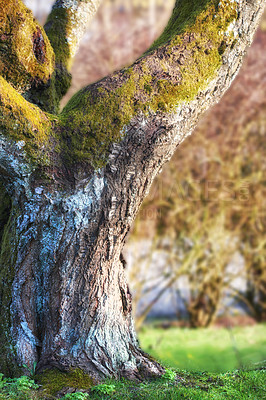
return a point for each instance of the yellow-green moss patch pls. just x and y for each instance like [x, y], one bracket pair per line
[53, 381]
[24, 122]
[184, 16]
[26, 55]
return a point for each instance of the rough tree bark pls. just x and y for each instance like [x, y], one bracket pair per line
[76, 179]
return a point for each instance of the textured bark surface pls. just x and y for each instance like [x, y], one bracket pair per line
[69, 301]
[77, 181]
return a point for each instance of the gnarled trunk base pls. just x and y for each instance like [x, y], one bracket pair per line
[64, 291]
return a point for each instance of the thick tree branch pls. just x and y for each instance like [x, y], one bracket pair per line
[27, 59]
[203, 45]
[131, 122]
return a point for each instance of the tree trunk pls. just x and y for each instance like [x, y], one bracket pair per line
[64, 293]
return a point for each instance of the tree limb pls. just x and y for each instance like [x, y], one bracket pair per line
[136, 117]
[131, 122]
[198, 55]
[27, 59]
[65, 27]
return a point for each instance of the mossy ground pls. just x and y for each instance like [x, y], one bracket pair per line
[177, 383]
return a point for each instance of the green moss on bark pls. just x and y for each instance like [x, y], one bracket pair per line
[26, 56]
[48, 96]
[25, 123]
[188, 53]
[184, 16]
[56, 28]
[93, 121]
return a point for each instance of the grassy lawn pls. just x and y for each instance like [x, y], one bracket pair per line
[212, 350]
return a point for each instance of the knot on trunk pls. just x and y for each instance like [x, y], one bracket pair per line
[38, 46]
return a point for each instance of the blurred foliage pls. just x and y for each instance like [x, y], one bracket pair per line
[215, 208]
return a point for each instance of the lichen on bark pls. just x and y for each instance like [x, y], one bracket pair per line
[66, 26]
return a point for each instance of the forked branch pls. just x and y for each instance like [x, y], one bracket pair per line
[132, 121]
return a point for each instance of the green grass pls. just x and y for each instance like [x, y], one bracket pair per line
[237, 385]
[212, 350]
